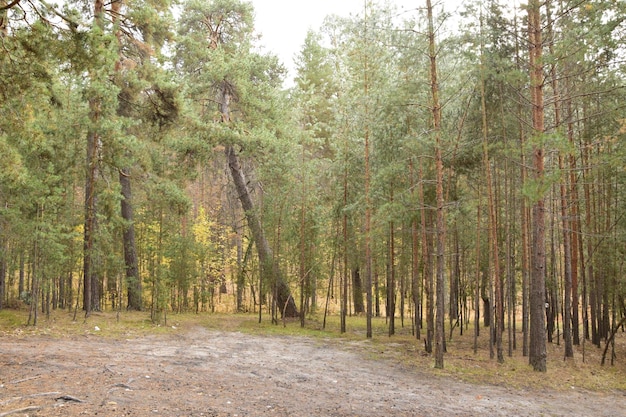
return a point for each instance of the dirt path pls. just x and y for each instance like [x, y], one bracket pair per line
[207, 373]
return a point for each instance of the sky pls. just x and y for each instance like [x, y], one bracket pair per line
[283, 24]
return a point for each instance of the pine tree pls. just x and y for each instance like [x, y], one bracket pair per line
[217, 38]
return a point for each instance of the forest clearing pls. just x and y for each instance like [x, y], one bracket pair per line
[229, 365]
[436, 197]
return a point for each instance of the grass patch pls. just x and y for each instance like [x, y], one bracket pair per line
[61, 324]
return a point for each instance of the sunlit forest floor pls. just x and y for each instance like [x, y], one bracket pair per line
[461, 363]
[122, 364]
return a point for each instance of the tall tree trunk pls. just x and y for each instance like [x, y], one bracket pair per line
[241, 278]
[4, 254]
[588, 275]
[478, 268]
[510, 260]
[376, 294]
[34, 268]
[391, 289]
[133, 280]
[357, 291]
[429, 285]
[440, 244]
[575, 222]
[303, 274]
[91, 293]
[563, 190]
[537, 351]
[524, 209]
[568, 264]
[415, 263]
[551, 295]
[3, 272]
[368, 200]
[269, 269]
[455, 276]
[21, 284]
[493, 226]
[344, 234]
[89, 276]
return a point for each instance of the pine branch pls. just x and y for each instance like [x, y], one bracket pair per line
[8, 6]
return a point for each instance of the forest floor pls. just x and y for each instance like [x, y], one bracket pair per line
[190, 368]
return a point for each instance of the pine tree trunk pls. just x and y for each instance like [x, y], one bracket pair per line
[344, 234]
[241, 281]
[567, 250]
[440, 229]
[133, 280]
[510, 260]
[551, 294]
[524, 209]
[4, 249]
[588, 275]
[368, 199]
[91, 293]
[493, 226]
[415, 292]
[357, 292]
[34, 288]
[537, 351]
[21, 284]
[3, 272]
[303, 274]
[575, 224]
[429, 286]
[391, 289]
[269, 269]
[478, 280]
[455, 276]
[89, 229]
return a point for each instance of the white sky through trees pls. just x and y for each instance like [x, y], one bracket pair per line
[283, 24]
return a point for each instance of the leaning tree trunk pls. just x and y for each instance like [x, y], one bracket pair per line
[268, 267]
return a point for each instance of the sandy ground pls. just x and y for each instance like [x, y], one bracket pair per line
[210, 373]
